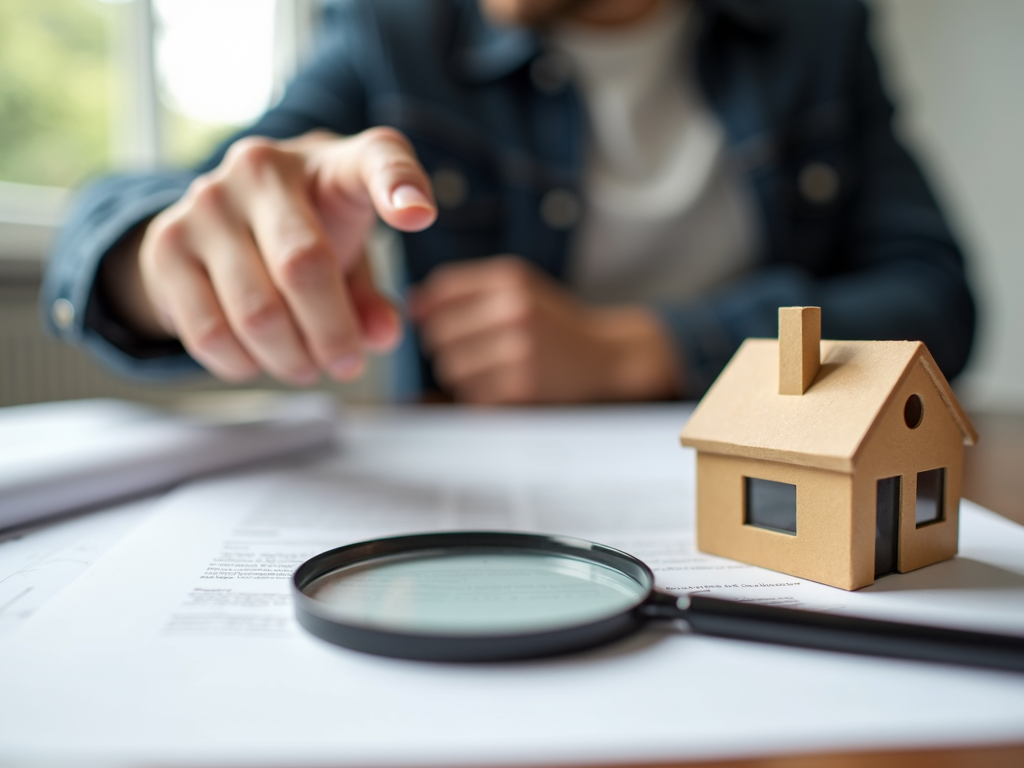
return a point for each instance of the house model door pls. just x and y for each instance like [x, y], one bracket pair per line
[928, 508]
[887, 526]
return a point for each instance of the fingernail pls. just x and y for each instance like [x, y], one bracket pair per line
[407, 196]
[346, 367]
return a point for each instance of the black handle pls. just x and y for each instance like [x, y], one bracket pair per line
[825, 631]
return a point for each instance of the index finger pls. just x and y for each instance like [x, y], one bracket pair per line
[380, 167]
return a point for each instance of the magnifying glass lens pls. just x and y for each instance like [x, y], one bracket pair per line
[485, 592]
[495, 596]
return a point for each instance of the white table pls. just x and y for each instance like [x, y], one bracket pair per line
[130, 666]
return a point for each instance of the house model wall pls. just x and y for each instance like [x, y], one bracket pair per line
[835, 461]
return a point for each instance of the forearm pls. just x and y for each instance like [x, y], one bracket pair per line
[99, 220]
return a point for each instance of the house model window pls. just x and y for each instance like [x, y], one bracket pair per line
[771, 505]
[931, 486]
[836, 461]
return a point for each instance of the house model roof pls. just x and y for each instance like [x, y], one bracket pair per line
[743, 413]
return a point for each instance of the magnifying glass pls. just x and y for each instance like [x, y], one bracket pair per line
[493, 596]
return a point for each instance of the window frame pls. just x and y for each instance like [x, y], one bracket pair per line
[31, 214]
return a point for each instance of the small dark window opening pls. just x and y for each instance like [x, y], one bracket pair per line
[931, 490]
[770, 505]
[913, 411]
[887, 526]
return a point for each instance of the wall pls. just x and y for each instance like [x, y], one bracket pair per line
[957, 70]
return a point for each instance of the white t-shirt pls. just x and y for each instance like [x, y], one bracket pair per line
[666, 215]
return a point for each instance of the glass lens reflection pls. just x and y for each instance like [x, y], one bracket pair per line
[476, 593]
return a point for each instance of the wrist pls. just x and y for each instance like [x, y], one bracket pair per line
[119, 281]
[642, 363]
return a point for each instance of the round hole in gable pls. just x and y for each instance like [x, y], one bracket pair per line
[913, 411]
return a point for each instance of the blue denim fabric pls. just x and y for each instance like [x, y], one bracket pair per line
[794, 82]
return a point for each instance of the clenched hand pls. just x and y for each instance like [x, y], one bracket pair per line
[500, 331]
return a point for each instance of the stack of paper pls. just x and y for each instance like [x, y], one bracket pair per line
[57, 457]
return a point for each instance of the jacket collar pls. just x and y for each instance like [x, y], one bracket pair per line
[484, 52]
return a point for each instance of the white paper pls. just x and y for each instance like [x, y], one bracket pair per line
[37, 563]
[179, 646]
[63, 456]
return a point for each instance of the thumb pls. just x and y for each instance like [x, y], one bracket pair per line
[382, 326]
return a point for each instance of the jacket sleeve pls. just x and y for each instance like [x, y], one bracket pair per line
[327, 94]
[892, 269]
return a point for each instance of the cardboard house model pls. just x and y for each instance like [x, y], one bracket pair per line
[835, 461]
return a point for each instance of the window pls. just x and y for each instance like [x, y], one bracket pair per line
[913, 411]
[931, 488]
[56, 91]
[214, 69]
[770, 505]
[92, 86]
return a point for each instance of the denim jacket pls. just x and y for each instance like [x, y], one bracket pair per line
[848, 222]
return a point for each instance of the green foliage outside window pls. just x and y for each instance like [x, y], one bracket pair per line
[55, 90]
[188, 141]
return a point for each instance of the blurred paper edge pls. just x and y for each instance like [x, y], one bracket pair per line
[65, 456]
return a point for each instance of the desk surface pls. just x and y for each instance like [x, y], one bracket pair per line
[987, 755]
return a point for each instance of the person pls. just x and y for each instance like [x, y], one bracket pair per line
[598, 200]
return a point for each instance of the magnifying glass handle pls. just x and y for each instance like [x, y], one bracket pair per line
[826, 631]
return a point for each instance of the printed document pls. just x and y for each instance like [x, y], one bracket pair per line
[179, 646]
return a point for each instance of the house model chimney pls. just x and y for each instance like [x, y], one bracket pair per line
[799, 348]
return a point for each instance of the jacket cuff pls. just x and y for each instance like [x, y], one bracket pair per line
[70, 307]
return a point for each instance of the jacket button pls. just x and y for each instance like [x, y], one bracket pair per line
[63, 313]
[549, 73]
[560, 209]
[818, 183]
[450, 187]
